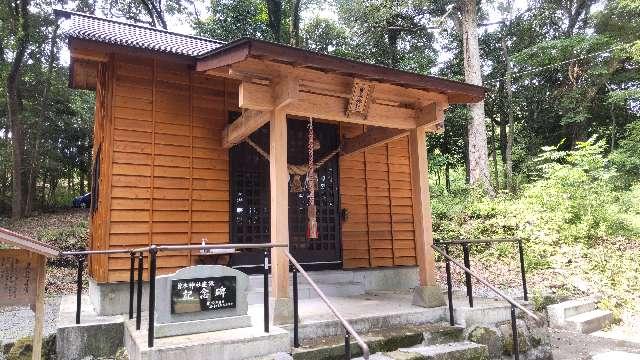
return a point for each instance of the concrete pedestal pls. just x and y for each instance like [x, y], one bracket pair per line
[282, 311]
[232, 344]
[428, 296]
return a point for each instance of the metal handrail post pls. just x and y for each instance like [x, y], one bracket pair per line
[79, 287]
[323, 297]
[132, 285]
[347, 345]
[467, 277]
[265, 285]
[139, 291]
[296, 317]
[514, 334]
[486, 283]
[522, 270]
[449, 288]
[153, 252]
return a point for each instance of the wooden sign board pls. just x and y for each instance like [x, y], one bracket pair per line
[19, 271]
[360, 98]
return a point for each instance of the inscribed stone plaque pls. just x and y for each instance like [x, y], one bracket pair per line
[18, 277]
[201, 298]
[203, 294]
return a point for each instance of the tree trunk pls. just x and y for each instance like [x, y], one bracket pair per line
[44, 107]
[274, 10]
[13, 109]
[494, 153]
[478, 152]
[509, 160]
[613, 127]
[294, 29]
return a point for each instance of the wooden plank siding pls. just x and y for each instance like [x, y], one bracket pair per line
[170, 177]
[165, 175]
[375, 188]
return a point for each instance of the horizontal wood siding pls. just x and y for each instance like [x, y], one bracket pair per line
[355, 231]
[170, 182]
[376, 191]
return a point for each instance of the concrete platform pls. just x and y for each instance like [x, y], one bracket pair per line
[366, 312]
[95, 335]
[232, 344]
[483, 312]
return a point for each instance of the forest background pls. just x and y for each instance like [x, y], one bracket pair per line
[559, 131]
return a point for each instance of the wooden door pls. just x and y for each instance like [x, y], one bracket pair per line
[249, 181]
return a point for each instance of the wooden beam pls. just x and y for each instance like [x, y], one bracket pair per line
[422, 206]
[260, 97]
[430, 114]
[374, 136]
[336, 85]
[278, 182]
[285, 91]
[245, 125]
[255, 97]
[89, 55]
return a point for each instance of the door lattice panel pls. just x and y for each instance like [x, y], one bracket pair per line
[250, 196]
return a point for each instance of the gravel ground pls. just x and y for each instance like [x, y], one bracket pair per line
[17, 322]
[572, 346]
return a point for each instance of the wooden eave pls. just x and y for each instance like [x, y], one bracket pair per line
[243, 49]
[23, 242]
[86, 54]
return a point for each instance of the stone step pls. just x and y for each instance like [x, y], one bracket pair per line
[463, 350]
[558, 313]
[325, 276]
[589, 322]
[305, 291]
[378, 341]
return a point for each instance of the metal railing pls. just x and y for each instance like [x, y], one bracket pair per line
[514, 305]
[136, 286]
[466, 249]
[349, 331]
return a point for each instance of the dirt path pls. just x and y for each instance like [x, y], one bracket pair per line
[572, 346]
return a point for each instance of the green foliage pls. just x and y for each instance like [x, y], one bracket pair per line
[574, 215]
[626, 158]
[229, 20]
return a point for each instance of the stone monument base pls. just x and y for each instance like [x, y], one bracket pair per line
[202, 326]
[232, 344]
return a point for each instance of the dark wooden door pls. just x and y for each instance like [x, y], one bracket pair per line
[250, 198]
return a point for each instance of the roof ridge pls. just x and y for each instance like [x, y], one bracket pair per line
[66, 13]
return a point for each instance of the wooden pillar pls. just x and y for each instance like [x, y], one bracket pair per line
[279, 182]
[422, 205]
[38, 328]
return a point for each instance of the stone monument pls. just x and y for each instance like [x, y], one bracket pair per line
[201, 299]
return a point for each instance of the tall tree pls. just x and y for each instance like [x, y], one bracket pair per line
[20, 12]
[478, 152]
[508, 166]
[294, 29]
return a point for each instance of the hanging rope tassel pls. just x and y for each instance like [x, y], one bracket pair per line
[312, 180]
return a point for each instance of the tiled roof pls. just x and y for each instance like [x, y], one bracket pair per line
[88, 27]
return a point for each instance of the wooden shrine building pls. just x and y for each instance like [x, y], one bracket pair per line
[184, 126]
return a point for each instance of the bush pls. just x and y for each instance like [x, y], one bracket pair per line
[579, 222]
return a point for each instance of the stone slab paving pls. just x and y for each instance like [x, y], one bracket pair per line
[574, 346]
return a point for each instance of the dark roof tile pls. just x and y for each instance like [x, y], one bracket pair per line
[88, 27]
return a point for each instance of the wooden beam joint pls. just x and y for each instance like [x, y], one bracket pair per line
[245, 125]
